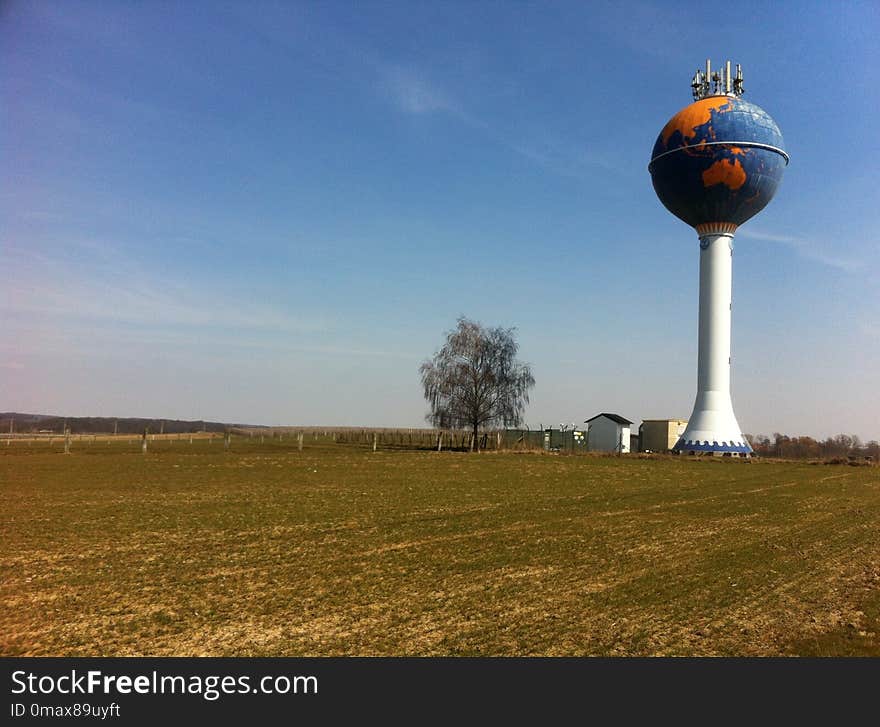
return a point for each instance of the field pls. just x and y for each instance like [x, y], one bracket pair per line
[336, 549]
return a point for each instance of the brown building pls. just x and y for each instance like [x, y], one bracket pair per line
[660, 435]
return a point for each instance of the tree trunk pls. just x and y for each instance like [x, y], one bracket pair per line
[475, 443]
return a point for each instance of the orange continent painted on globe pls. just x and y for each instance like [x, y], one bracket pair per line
[728, 172]
[691, 117]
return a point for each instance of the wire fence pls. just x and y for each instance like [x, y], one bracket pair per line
[299, 437]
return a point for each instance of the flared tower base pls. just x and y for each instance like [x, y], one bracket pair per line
[713, 429]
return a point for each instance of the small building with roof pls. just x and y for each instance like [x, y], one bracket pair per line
[660, 435]
[608, 433]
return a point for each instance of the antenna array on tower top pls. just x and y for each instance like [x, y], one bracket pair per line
[720, 83]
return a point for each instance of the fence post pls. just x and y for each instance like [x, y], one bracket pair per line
[299, 441]
[440, 442]
[375, 440]
[67, 441]
[144, 442]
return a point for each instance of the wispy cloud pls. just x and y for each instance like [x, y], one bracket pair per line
[809, 249]
[413, 93]
[98, 339]
[412, 89]
[113, 288]
[566, 158]
[97, 300]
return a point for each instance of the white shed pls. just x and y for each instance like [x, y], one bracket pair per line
[608, 433]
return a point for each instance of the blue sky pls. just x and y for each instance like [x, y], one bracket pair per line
[272, 212]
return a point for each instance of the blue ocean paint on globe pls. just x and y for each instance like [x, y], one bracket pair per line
[719, 160]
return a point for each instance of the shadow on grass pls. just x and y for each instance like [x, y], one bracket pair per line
[860, 638]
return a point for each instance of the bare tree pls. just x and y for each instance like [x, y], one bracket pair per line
[474, 380]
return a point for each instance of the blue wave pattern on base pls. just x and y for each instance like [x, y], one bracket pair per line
[706, 446]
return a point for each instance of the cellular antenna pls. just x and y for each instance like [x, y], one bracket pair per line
[719, 83]
[738, 89]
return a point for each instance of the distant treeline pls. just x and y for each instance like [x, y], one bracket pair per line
[840, 446]
[31, 423]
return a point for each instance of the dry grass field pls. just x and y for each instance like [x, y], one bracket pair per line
[335, 550]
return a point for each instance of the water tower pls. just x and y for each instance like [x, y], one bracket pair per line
[715, 165]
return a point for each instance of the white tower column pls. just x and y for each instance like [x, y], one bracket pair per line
[713, 426]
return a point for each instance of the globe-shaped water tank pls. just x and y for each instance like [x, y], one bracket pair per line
[719, 160]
